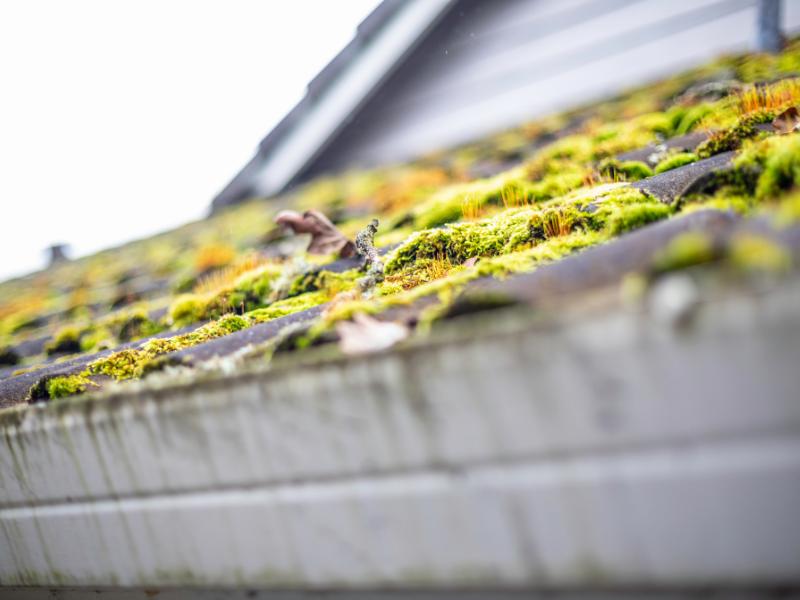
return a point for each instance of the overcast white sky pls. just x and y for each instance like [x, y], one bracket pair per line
[123, 118]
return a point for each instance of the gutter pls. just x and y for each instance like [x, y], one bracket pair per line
[611, 452]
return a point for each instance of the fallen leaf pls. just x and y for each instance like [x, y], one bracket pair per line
[787, 122]
[325, 236]
[365, 334]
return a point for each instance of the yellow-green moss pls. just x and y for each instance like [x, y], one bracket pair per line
[289, 306]
[69, 385]
[675, 160]
[129, 363]
[732, 137]
[685, 250]
[777, 162]
[750, 252]
[628, 170]
[66, 341]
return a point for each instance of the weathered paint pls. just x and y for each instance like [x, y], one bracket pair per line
[609, 451]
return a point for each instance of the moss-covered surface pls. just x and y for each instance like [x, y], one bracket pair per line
[566, 190]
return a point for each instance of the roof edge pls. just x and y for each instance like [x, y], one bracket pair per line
[383, 40]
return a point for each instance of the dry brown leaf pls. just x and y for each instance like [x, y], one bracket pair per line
[365, 334]
[325, 236]
[787, 122]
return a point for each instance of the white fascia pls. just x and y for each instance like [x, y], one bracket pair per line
[345, 95]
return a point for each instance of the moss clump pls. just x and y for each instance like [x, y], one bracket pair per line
[676, 160]
[613, 207]
[289, 306]
[66, 341]
[129, 363]
[776, 161]
[461, 241]
[187, 309]
[628, 170]
[754, 253]
[456, 201]
[732, 137]
[250, 291]
[628, 218]
[685, 250]
[326, 281]
[788, 210]
[68, 385]
[8, 357]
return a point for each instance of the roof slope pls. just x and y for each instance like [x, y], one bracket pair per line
[696, 172]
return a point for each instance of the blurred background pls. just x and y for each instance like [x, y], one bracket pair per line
[126, 119]
[122, 119]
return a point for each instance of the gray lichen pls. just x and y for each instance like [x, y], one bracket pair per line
[365, 246]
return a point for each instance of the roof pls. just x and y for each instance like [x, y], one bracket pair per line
[416, 80]
[693, 174]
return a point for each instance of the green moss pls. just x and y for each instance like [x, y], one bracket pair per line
[452, 202]
[66, 341]
[685, 250]
[187, 309]
[629, 170]
[750, 252]
[130, 363]
[787, 211]
[461, 241]
[628, 218]
[69, 385]
[779, 161]
[675, 160]
[8, 357]
[732, 137]
[615, 206]
[95, 338]
[688, 119]
[325, 281]
[724, 199]
[289, 306]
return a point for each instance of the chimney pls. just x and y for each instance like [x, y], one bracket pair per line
[57, 253]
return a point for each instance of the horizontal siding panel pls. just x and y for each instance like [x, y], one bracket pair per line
[438, 100]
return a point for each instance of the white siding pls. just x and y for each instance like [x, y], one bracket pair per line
[492, 65]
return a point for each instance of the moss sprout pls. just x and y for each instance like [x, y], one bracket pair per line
[629, 170]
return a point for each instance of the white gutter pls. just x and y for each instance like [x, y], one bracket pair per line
[610, 452]
[373, 64]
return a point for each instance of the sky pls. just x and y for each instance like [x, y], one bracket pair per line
[122, 119]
